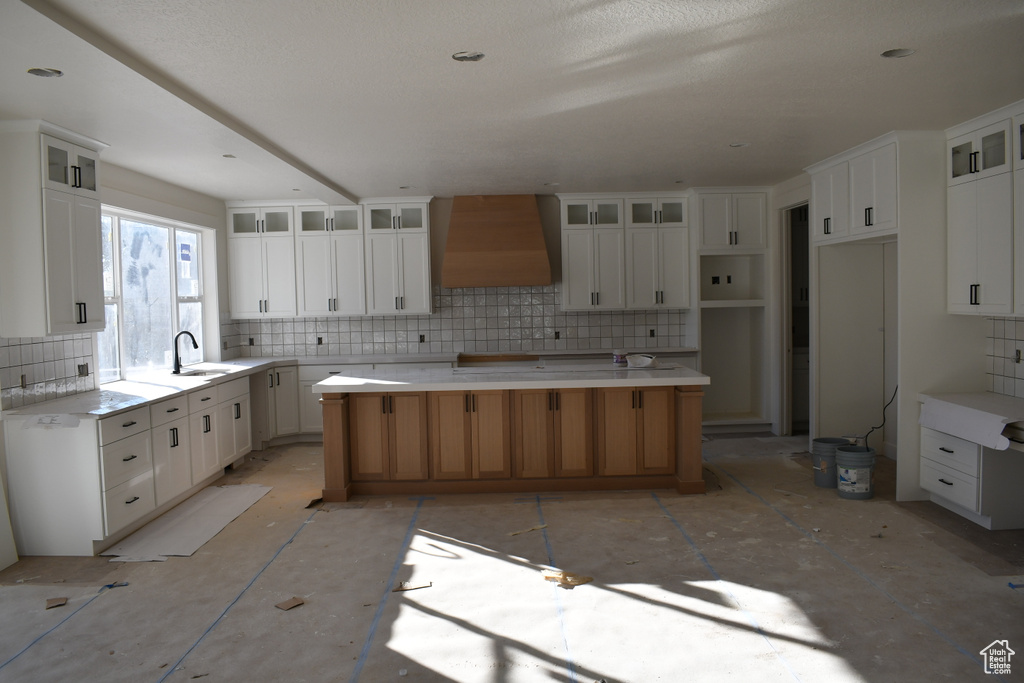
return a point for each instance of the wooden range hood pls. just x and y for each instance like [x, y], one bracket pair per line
[495, 241]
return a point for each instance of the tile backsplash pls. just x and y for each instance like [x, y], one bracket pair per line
[1005, 338]
[480, 320]
[49, 366]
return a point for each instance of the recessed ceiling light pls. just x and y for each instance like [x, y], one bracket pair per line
[739, 144]
[550, 184]
[45, 72]
[898, 53]
[680, 182]
[229, 156]
[406, 187]
[468, 56]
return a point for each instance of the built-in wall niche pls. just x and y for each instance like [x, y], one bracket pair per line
[735, 278]
[732, 354]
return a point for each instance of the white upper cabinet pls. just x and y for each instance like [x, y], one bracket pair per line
[657, 266]
[397, 274]
[731, 221]
[259, 221]
[593, 269]
[262, 277]
[667, 212]
[980, 246]
[70, 168]
[51, 269]
[979, 153]
[398, 216]
[830, 202]
[873, 190]
[591, 213]
[329, 261]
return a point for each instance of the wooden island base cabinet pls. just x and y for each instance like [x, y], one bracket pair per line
[512, 440]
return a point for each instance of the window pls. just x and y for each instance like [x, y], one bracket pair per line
[152, 290]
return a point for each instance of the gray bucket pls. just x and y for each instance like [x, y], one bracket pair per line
[855, 466]
[823, 459]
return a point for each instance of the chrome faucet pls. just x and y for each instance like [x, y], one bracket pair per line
[177, 358]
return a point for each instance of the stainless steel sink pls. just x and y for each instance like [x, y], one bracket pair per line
[201, 373]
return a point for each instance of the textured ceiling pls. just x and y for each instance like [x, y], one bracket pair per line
[360, 98]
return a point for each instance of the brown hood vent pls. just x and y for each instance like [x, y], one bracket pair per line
[495, 241]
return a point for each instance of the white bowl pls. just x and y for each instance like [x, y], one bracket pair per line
[640, 360]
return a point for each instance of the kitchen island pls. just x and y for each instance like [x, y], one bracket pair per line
[511, 429]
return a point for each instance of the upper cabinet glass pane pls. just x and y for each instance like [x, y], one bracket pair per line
[577, 214]
[608, 214]
[960, 159]
[380, 218]
[410, 217]
[312, 220]
[57, 164]
[87, 173]
[671, 212]
[346, 219]
[642, 212]
[993, 150]
[276, 221]
[244, 222]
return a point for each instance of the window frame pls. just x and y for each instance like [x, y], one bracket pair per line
[116, 215]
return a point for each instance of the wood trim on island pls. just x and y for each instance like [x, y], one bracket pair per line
[339, 485]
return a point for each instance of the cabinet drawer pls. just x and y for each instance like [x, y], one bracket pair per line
[953, 452]
[125, 459]
[232, 389]
[118, 427]
[202, 400]
[169, 410]
[319, 373]
[126, 503]
[950, 484]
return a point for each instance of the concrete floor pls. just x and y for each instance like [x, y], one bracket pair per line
[766, 577]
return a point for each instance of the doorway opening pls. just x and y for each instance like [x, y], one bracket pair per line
[797, 343]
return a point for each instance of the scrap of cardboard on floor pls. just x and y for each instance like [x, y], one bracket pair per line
[532, 528]
[566, 579]
[56, 602]
[289, 604]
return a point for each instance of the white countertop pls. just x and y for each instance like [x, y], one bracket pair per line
[508, 377]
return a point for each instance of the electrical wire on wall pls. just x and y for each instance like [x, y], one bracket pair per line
[865, 437]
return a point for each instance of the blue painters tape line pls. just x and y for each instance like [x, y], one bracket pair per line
[1015, 587]
[365, 652]
[569, 663]
[238, 597]
[703, 558]
[959, 648]
[62, 621]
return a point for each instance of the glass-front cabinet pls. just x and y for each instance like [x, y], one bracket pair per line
[980, 153]
[656, 213]
[321, 219]
[380, 217]
[70, 168]
[255, 221]
[591, 213]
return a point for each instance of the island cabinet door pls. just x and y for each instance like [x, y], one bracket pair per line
[407, 433]
[368, 427]
[534, 411]
[450, 438]
[574, 432]
[616, 431]
[491, 434]
[656, 433]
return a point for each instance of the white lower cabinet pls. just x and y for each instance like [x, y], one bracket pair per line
[78, 483]
[978, 483]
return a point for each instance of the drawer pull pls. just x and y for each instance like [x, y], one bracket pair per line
[205, 398]
[172, 410]
[945, 450]
[947, 483]
[129, 424]
[129, 458]
[131, 500]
